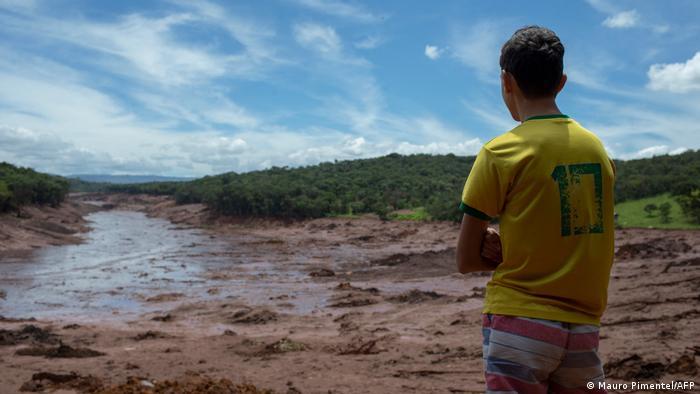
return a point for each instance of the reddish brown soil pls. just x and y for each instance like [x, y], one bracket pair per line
[398, 318]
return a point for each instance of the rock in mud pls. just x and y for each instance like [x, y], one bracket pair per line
[352, 300]
[252, 316]
[163, 318]
[346, 286]
[634, 367]
[655, 248]
[193, 383]
[322, 273]
[43, 381]
[165, 297]
[285, 345]
[415, 296]
[28, 334]
[150, 335]
[61, 351]
[360, 345]
[685, 365]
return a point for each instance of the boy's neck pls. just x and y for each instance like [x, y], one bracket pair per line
[529, 108]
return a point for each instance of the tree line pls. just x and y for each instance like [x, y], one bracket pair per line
[381, 185]
[23, 186]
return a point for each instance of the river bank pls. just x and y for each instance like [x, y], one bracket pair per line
[329, 305]
[43, 226]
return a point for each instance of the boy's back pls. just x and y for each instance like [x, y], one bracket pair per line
[550, 182]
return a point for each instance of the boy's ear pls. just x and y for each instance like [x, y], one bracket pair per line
[562, 82]
[507, 81]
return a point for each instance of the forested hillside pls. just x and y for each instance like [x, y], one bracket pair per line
[21, 186]
[388, 183]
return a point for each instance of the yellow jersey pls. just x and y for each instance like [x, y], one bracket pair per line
[550, 183]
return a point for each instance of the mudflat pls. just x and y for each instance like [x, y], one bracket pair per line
[339, 305]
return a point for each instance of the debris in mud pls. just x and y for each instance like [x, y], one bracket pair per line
[43, 381]
[685, 365]
[322, 273]
[3, 294]
[150, 335]
[360, 346]
[415, 296]
[15, 320]
[192, 383]
[693, 262]
[252, 316]
[61, 351]
[654, 248]
[634, 368]
[347, 286]
[351, 301]
[27, 334]
[71, 326]
[163, 318]
[285, 345]
[394, 259]
[477, 292]
[165, 297]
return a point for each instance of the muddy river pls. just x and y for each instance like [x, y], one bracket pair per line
[131, 264]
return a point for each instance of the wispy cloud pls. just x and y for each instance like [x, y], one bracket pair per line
[317, 37]
[369, 42]
[622, 20]
[343, 9]
[478, 47]
[676, 77]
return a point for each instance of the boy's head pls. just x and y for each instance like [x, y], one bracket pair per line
[533, 59]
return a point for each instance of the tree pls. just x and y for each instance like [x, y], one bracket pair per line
[665, 211]
[650, 209]
[691, 205]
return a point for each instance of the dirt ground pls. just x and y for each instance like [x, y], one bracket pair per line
[396, 318]
[43, 226]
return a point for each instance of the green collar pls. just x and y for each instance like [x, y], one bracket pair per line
[547, 117]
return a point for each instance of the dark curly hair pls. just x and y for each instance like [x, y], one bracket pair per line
[534, 55]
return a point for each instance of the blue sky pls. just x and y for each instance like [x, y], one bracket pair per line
[200, 87]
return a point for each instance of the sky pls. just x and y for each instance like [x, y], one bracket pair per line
[190, 88]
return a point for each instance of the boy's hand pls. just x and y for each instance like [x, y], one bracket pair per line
[491, 246]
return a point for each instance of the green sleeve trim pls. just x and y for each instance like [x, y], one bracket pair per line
[474, 212]
[553, 116]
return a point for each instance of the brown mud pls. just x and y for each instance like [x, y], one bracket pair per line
[43, 226]
[393, 318]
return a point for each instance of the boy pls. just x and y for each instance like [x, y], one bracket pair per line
[550, 183]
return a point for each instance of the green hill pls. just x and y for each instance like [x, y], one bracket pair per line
[22, 186]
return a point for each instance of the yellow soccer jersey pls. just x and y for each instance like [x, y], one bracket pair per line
[550, 183]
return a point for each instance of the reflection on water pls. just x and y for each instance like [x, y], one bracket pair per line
[125, 258]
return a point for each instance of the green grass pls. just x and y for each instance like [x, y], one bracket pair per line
[631, 214]
[418, 214]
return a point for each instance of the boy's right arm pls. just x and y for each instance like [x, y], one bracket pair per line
[477, 246]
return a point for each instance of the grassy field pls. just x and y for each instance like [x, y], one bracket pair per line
[631, 214]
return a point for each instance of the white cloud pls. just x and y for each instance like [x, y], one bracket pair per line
[478, 48]
[622, 20]
[676, 77]
[320, 38]
[342, 9]
[432, 52]
[655, 150]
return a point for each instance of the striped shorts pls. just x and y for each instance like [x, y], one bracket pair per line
[524, 355]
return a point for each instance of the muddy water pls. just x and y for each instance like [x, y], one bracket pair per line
[127, 259]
